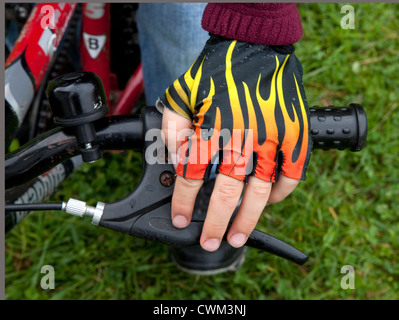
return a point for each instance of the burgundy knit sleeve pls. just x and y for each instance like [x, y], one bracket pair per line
[263, 23]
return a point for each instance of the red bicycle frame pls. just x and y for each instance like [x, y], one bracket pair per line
[95, 54]
[95, 41]
[32, 55]
[30, 59]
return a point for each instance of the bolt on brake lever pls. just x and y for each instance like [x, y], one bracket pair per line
[146, 212]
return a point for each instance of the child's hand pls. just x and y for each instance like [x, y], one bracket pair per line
[249, 112]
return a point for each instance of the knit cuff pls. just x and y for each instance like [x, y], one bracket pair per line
[269, 24]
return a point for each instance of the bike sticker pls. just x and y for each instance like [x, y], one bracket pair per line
[94, 44]
[37, 41]
[95, 10]
[19, 88]
[47, 42]
[41, 189]
[44, 186]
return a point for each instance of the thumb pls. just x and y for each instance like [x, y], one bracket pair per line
[175, 129]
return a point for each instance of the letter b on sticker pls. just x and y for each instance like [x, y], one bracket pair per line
[348, 280]
[47, 281]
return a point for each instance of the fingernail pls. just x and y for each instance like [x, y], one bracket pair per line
[238, 240]
[211, 244]
[180, 222]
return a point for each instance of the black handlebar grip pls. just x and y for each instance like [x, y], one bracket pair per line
[338, 127]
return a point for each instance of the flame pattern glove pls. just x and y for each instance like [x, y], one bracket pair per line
[248, 109]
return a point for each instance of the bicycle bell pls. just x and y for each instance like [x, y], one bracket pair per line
[78, 99]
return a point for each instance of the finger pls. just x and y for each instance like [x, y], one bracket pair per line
[183, 200]
[175, 128]
[194, 157]
[253, 202]
[224, 199]
[234, 164]
[265, 167]
[282, 188]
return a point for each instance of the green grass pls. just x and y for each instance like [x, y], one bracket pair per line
[345, 213]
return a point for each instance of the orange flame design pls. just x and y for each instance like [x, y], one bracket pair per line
[294, 144]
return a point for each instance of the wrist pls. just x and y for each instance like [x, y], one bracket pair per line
[263, 23]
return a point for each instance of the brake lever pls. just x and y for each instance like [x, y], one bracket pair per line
[146, 212]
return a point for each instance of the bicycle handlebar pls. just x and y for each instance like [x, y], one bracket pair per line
[146, 211]
[338, 127]
[331, 128]
[57, 145]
